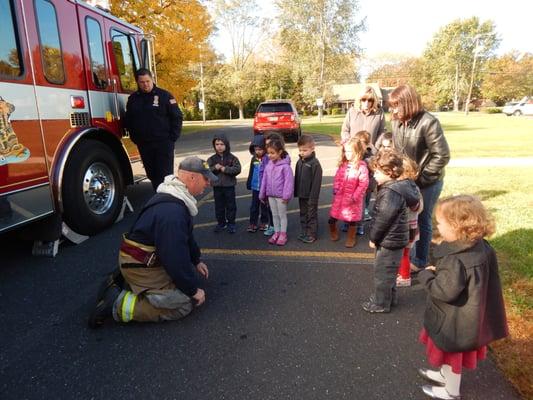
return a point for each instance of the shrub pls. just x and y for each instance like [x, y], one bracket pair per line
[336, 111]
[492, 110]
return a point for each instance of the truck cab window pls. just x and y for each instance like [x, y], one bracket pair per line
[10, 59]
[96, 53]
[51, 54]
[124, 60]
[136, 59]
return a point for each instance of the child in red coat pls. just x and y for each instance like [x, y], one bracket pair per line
[349, 188]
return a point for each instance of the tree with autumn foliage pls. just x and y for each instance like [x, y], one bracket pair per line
[181, 29]
[508, 77]
[320, 40]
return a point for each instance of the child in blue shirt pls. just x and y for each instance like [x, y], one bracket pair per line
[258, 210]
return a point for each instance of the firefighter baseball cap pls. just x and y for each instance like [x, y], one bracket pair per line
[196, 164]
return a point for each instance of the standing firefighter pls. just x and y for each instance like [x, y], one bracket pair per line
[159, 260]
[154, 122]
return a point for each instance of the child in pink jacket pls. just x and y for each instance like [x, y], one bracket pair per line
[349, 188]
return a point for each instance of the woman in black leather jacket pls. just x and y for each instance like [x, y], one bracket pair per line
[419, 135]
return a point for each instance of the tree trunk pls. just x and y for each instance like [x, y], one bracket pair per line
[456, 93]
[241, 111]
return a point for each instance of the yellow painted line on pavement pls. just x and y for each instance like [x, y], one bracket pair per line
[288, 253]
[248, 218]
[210, 199]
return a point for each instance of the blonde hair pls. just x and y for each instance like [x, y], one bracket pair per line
[467, 216]
[410, 169]
[369, 93]
[357, 148]
[363, 136]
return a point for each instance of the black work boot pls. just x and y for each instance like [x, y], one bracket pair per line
[371, 307]
[104, 305]
[116, 278]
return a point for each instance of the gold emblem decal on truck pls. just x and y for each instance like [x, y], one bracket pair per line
[11, 151]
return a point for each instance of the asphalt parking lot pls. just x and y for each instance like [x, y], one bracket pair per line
[279, 322]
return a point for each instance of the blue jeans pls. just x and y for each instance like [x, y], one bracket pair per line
[430, 195]
[258, 209]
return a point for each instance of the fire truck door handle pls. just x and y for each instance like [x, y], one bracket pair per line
[115, 98]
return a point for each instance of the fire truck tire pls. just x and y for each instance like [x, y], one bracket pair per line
[93, 188]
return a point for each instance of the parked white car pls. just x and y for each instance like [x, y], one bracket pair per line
[516, 108]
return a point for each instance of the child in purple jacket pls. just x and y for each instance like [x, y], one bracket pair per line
[277, 184]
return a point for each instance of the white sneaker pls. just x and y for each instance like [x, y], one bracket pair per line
[403, 282]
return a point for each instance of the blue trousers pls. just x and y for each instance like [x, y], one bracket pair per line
[258, 209]
[420, 253]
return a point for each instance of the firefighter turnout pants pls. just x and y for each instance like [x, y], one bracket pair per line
[153, 296]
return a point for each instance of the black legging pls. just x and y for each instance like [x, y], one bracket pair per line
[332, 221]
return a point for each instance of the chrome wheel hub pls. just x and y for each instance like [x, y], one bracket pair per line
[98, 188]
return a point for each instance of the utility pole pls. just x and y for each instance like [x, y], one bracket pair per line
[202, 85]
[477, 49]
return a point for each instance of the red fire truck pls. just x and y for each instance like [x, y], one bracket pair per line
[66, 70]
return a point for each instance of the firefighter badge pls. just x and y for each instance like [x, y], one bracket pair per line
[11, 151]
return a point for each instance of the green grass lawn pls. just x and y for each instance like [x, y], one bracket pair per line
[188, 129]
[473, 135]
[509, 197]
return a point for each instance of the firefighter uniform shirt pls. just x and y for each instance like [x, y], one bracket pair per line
[153, 116]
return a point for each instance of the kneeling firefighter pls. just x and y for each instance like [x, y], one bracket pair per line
[159, 261]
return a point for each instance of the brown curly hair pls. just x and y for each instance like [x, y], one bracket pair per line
[410, 168]
[388, 161]
[467, 215]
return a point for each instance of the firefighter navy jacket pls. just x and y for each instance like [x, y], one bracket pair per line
[153, 116]
[166, 224]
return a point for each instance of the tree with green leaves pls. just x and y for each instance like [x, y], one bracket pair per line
[454, 58]
[239, 20]
[320, 39]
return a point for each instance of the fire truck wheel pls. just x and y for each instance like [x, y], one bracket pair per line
[93, 188]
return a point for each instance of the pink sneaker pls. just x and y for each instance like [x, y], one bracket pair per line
[274, 238]
[282, 239]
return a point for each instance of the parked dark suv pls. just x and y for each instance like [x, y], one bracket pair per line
[278, 116]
